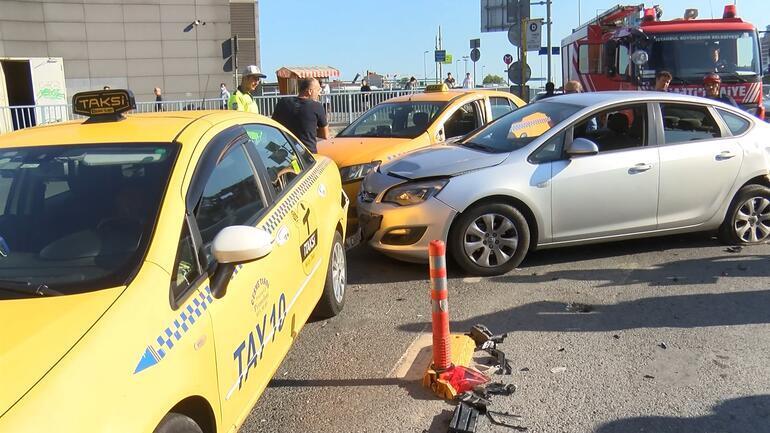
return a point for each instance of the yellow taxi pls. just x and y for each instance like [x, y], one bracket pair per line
[156, 268]
[405, 123]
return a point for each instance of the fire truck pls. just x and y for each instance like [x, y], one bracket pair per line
[624, 47]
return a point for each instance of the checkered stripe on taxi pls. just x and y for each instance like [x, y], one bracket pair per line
[176, 330]
[288, 203]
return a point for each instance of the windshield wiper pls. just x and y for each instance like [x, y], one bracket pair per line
[478, 146]
[27, 288]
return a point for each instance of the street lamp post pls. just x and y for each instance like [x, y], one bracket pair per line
[425, 67]
[482, 75]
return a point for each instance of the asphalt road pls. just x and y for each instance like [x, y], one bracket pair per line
[709, 308]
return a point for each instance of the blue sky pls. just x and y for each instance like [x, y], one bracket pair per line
[391, 36]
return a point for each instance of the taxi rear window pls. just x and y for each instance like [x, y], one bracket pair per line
[77, 218]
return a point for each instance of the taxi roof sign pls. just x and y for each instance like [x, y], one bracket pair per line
[436, 88]
[103, 105]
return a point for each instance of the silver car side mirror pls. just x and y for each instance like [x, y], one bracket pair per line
[582, 147]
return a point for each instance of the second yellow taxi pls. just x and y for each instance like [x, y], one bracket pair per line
[405, 123]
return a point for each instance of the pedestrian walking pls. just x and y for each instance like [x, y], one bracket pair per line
[365, 88]
[303, 115]
[224, 95]
[467, 82]
[450, 80]
[158, 99]
[326, 96]
[662, 80]
[241, 99]
[411, 84]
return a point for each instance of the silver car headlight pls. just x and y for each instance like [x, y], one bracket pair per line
[358, 171]
[414, 192]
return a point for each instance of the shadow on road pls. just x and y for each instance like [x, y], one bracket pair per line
[681, 311]
[366, 266]
[695, 271]
[745, 415]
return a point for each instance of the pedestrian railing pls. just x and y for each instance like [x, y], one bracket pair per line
[342, 108]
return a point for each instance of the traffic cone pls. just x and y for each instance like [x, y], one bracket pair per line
[445, 377]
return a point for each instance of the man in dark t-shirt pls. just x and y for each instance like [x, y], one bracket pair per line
[303, 115]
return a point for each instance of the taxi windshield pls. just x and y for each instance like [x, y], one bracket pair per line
[519, 128]
[395, 120]
[77, 218]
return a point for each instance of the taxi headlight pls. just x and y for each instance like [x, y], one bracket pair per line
[358, 171]
[414, 192]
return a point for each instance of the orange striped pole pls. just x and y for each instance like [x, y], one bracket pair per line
[442, 357]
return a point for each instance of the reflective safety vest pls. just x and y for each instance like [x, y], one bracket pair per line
[242, 102]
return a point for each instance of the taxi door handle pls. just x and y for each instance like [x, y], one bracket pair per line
[725, 155]
[640, 168]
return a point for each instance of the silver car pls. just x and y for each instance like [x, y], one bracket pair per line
[575, 169]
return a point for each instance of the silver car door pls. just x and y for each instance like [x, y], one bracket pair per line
[699, 162]
[615, 191]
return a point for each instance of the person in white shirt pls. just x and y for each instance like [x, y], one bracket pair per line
[224, 95]
[467, 82]
[326, 95]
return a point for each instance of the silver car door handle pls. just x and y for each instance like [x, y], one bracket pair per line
[725, 155]
[639, 168]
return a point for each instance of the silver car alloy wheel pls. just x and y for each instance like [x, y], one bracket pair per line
[490, 240]
[752, 221]
[338, 272]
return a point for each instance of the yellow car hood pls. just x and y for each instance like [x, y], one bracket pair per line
[38, 332]
[346, 151]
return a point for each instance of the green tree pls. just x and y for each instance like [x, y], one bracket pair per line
[493, 79]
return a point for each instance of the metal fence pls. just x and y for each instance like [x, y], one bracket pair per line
[342, 108]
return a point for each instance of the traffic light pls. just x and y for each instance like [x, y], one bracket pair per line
[230, 54]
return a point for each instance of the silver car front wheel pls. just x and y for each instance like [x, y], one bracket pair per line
[491, 240]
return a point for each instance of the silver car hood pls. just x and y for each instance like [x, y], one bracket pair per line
[442, 160]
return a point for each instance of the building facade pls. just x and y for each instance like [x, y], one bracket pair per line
[136, 44]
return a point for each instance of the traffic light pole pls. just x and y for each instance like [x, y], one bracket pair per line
[523, 58]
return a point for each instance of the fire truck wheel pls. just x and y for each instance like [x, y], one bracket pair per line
[489, 239]
[748, 219]
[333, 297]
[177, 423]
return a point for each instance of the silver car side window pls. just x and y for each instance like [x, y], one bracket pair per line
[683, 123]
[617, 128]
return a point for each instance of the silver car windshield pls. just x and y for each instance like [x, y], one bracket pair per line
[520, 127]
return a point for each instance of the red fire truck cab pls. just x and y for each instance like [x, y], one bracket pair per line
[623, 49]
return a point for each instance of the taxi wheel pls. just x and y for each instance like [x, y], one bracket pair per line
[177, 423]
[333, 297]
[489, 239]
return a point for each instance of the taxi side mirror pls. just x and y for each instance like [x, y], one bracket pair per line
[234, 245]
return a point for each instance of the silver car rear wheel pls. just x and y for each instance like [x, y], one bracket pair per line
[748, 218]
[752, 221]
[491, 240]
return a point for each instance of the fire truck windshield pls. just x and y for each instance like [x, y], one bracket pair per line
[689, 56]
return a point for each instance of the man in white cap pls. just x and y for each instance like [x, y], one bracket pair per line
[241, 99]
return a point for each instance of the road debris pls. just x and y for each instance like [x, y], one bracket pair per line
[464, 419]
[495, 388]
[507, 420]
[734, 249]
[662, 345]
[524, 369]
[649, 376]
[557, 370]
[616, 336]
[561, 349]
[472, 399]
[576, 307]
